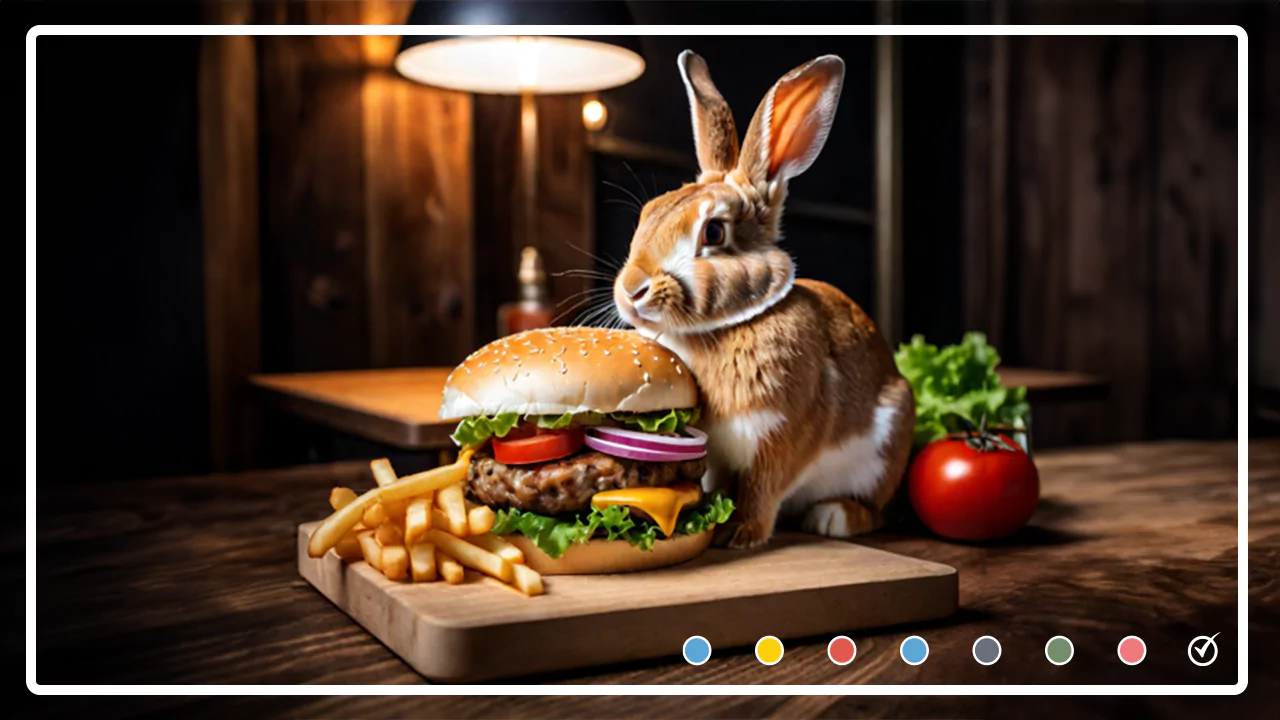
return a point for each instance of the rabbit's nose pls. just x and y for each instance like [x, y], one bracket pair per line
[640, 292]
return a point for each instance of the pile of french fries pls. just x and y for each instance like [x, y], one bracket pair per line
[421, 528]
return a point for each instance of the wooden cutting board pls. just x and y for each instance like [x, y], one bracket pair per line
[797, 586]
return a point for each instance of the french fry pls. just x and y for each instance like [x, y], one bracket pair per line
[422, 562]
[451, 501]
[470, 555]
[383, 474]
[438, 519]
[336, 525]
[499, 547]
[395, 562]
[449, 568]
[421, 483]
[417, 519]
[389, 533]
[328, 533]
[375, 515]
[371, 549]
[341, 497]
[395, 511]
[480, 519]
[527, 580]
[348, 546]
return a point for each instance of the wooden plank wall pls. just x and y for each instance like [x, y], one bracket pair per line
[350, 212]
[228, 127]
[565, 202]
[1265, 223]
[368, 201]
[1101, 224]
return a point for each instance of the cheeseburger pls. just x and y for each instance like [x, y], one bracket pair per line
[584, 446]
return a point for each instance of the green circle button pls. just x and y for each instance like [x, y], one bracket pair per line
[1059, 650]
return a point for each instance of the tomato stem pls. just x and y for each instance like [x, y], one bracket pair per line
[983, 440]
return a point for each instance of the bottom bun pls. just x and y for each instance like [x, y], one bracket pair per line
[611, 556]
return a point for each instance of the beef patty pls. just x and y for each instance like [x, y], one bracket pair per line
[566, 485]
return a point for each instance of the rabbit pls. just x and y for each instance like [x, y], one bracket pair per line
[806, 413]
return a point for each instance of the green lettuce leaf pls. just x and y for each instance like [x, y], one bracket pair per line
[661, 421]
[554, 535]
[957, 381]
[475, 431]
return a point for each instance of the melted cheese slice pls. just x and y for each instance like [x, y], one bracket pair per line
[663, 504]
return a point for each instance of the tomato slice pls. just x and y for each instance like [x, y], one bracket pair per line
[520, 448]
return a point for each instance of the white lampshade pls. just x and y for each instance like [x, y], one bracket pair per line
[512, 65]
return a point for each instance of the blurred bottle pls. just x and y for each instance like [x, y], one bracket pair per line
[533, 309]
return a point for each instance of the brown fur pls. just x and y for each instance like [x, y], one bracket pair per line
[760, 347]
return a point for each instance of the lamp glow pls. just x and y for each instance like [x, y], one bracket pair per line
[514, 65]
[594, 115]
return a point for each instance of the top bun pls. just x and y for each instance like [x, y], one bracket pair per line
[568, 370]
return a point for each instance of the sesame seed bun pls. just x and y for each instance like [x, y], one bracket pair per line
[558, 370]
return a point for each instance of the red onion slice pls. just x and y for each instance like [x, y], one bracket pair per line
[631, 452]
[650, 441]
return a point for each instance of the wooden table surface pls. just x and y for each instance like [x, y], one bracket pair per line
[193, 580]
[399, 406]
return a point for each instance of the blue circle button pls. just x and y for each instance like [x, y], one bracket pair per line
[697, 650]
[914, 650]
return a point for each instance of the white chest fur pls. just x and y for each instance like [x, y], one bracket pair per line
[732, 442]
[851, 469]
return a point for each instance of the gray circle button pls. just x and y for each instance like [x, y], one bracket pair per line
[986, 650]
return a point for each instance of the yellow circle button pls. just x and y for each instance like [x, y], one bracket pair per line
[769, 650]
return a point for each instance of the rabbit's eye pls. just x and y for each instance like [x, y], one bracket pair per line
[714, 233]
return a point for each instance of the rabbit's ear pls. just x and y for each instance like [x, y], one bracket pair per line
[714, 134]
[791, 125]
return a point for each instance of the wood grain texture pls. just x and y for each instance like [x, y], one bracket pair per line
[398, 407]
[228, 97]
[565, 212]
[1083, 160]
[1118, 248]
[315, 301]
[566, 219]
[496, 160]
[194, 580]
[418, 221]
[1194, 298]
[799, 586]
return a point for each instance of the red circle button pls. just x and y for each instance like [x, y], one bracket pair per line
[841, 650]
[1132, 650]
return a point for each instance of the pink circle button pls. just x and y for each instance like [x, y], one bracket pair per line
[1132, 650]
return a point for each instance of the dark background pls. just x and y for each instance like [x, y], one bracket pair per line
[1075, 198]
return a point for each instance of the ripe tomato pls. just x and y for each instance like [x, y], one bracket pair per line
[963, 492]
[521, 446]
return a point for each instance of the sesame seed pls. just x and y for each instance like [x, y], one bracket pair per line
[646, 377]
[467, 369]
[564, 370]
[584, 353]
[679, 371]
[481, 364]
[635, 352]
[606, 352]
[637, 362]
